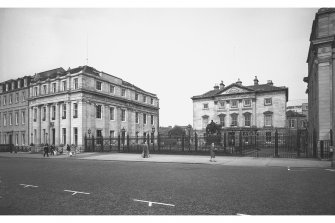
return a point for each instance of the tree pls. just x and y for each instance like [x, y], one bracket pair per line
[213, 133]
[176, 131]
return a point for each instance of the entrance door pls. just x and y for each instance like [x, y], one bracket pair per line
[231, 138]
[53, 136]
[10, 139]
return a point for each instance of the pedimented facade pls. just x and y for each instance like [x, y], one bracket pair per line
[255, 106]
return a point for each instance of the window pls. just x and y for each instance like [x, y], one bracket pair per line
[234, 103]
[123, 115]
[23, 140]
[247, 119]
[5, 139]
[136, 96]
[35, 136]
[144, 118]
[112, 89]
[10, 118]
[23, 96]
[0, 124]
[234, 120]
[64, 136]
[17, 97]
[123, 92]
[292, 123]
[64, 111]
[247, 103]
[35, 114]
[221, 103]
[23, 117]
[64, 85]
[44, 139]
[75, 133]
[268, 120]
[53, 87]
[152, 120]
[222, 120]
[99, 137]
[4, 100]
[75, 110]
[137, 120]
[112, 133]
[75, 83]
[44, 113]
[16, 118]
[44, 89]
[53, 116]
[268, 137]
[205, 106]
[111, 113]
[98, 111]
[144, 99]
[10, 98]
[151, 101]
[35, 91]
[267, 101]
[303, 124]
[4, 120]
[204, 121]
[16, 139]
[98, 85]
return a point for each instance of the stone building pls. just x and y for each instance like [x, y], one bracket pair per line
[14, 111]
[321, 78]
[296, 120]
[67, 105]
[257, 106]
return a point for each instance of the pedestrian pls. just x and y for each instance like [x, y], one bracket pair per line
[52, 150]
[46, 150]
[212, 153]
[68, 149]
[145, 153]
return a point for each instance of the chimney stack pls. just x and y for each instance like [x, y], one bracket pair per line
[270, 82]
[216, 87]
[255, 81]
[239, 82]
[221, 85]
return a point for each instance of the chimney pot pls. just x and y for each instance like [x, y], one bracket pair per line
[255, 81]
[216, 87]
[221, 85]
[270, 82]
[239, 82]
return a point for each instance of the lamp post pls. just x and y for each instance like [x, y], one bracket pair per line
[189, 127]
[123, 135]
[89, 133]
[46, 138]
[152, 134]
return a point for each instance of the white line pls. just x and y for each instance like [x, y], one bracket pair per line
[330, 169]
[27, 185]
[242, 214]
[152, 202]
[76, 192]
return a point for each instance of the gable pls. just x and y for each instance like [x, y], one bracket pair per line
[234, 90]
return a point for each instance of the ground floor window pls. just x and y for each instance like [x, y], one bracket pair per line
[17, 139]
[23, 139]
[268, 137]
[75, 132]
[64, 136]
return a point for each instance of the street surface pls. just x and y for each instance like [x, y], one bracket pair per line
[94, 187]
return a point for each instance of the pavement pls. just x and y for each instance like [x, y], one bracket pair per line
[187, 159]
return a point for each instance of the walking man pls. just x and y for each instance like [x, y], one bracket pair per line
[46, 150]
[212, 153]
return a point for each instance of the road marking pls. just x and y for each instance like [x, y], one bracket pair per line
[76, 192]
[27, 185]
[330, 169]
[152, 202]
[242, 214]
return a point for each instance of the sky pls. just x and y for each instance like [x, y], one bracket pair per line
[175, 53]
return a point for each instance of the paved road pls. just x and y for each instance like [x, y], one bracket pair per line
[122, 188]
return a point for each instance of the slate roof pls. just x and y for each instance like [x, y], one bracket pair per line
[48, 74]
[251, 88]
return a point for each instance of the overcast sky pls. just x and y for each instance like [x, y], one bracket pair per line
[173, 53]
